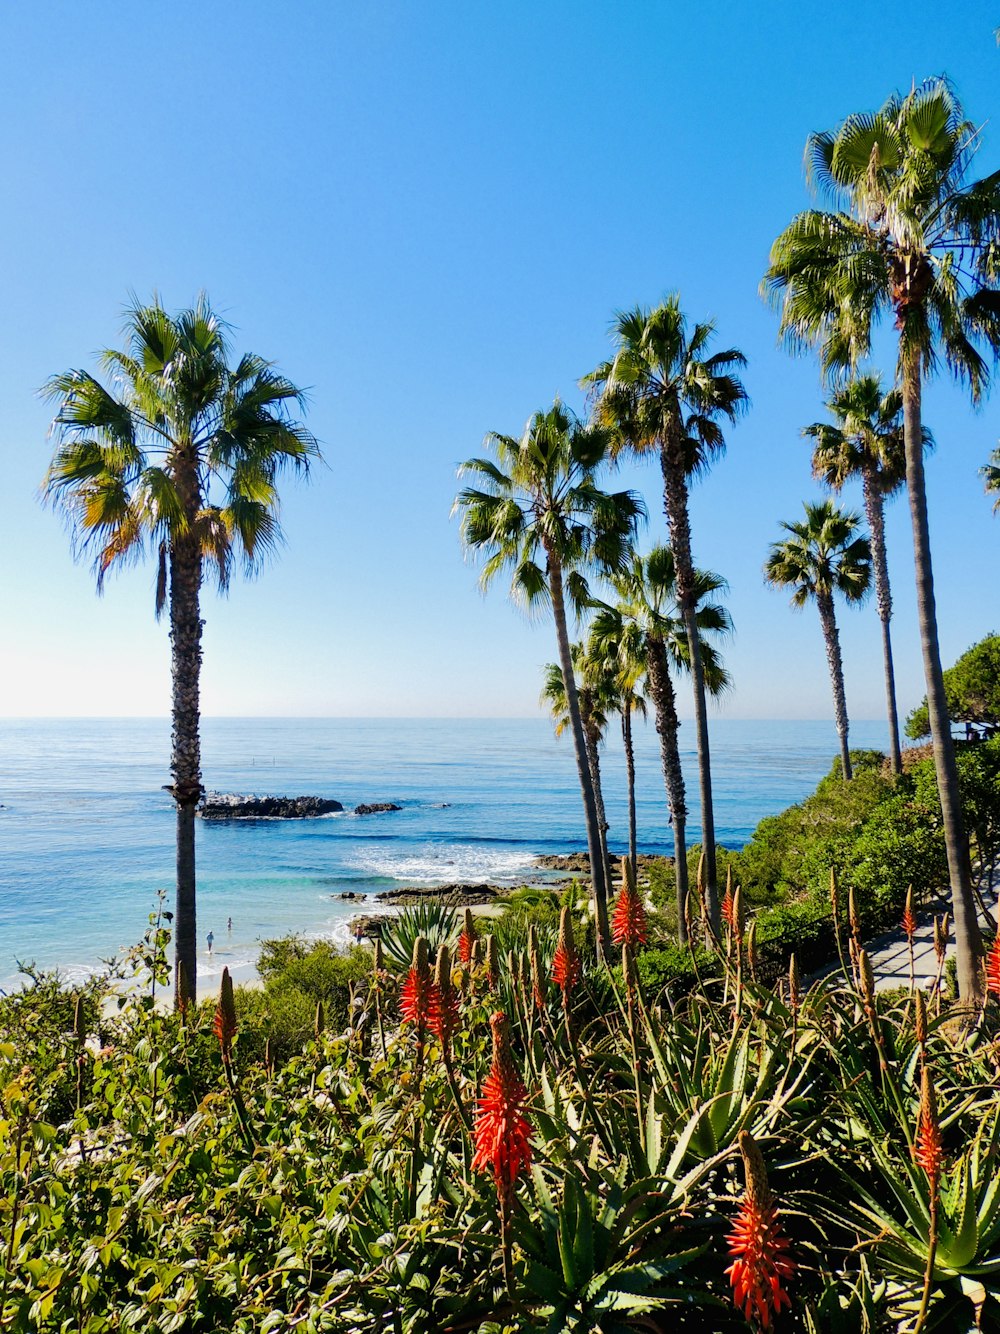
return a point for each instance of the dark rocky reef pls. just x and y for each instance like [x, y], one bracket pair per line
[376, 808]
[454, 895]
[578, 863]
[230, 806]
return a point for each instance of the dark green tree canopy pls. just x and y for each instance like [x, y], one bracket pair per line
[972, 687]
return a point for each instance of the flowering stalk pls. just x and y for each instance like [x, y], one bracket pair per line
[867, 979]
[443, 1020]
[856, 947]
[631, 990]
[753, 958]
[467, 940]
[929, 1155]
[415, 997]
[942, 927]
[566, 961]
[502, 1132]
[378, 981]
[628, 921]
[794, 996]
[835, 911]
[761, 1261]
[492, 971]
[910, 927]
[224, 1027]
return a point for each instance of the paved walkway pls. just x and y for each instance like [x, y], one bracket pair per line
[890, 954]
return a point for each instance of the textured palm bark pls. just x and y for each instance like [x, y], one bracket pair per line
[598, 866]
[630, 776]
[675, 499]
[661, 689]
[968, 945]
[875, 512]
[831, 639]
[594, 762]
[185, 758]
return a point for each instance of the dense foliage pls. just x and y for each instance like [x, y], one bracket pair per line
[972, 690]
[672, 1156]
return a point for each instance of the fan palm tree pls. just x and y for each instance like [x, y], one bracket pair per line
[539, 514]
[823, 556]
[664, 392]
[865, 440]
[913, 237]
[645, 627]
[177, 457]
[597, 695]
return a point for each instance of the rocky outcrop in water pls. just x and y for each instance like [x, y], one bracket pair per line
[455, 895]
[578, 863]
[376, 808]
[231, 806]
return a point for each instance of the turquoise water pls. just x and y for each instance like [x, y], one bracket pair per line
[86, 833]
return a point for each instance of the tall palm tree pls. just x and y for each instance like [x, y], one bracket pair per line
[645, 627]
[823, 556]
[539, 513]
[915, 238]
[177, 456]
[597, 696]
[664, 392]
[865, 440]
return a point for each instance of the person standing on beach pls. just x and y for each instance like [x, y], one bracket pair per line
[211, 941]
[229, 925]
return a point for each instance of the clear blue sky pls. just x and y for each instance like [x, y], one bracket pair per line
[427, 213]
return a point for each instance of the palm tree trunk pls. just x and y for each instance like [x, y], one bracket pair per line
[831, 638]
[676, 507]
[598, 865]
[594, 763]
[630, 775]
[875, 511]
[185, 760]
[968, 946]
[661, 688]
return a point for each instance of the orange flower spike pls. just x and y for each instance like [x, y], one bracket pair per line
[467, 940]
[566, 961]
[761, 1262]
[224, 1026]
[909, 920]
[416, 995]
[993, 967]
[442, 1018]
[727, 900]
[927, 1150]
[502, 1131]
[628, 922]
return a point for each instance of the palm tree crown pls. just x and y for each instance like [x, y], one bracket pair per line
[822, 556]
[539, 502]
[180, 446]
[913, 237]
[865, 437]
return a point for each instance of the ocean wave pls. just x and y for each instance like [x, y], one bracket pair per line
[441, 863]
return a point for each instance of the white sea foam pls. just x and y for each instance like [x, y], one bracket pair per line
[441, 863]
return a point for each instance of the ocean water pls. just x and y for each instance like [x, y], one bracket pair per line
[86, 831]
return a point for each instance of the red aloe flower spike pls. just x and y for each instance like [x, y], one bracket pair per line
[415, 996]
[442, 1018]
[927, 1150]
[224, 1026]
[502, 1132]
[909, 921]
[761, 1262]
[566, 961]
[628, 922]
[467, 940]
[993, 967]
[727, 901]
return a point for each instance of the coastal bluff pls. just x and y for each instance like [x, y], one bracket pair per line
[232, 806]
